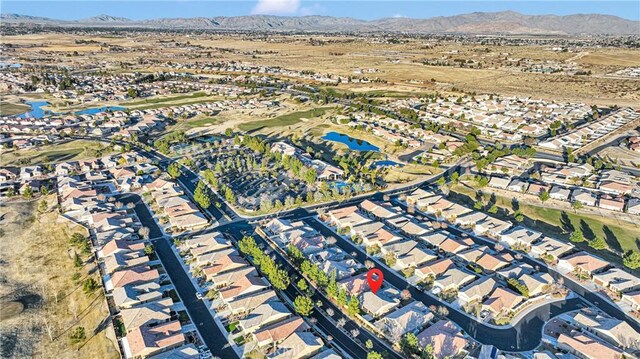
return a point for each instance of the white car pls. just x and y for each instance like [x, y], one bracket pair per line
[199, 295]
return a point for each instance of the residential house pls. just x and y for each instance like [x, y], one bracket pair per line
[407, 319]
[147, 314]
[615, 331]
[433, 269]
[355, 285]
[586, 197]
[274, 334]
[380, 303]
[146, 341]
[582, 262]
[520, 236]
[559, 193]
[136, 294]
[617, 280]
[477, 291]
[445, 338]
[547, 246]
[265, 314]
[502, 301]
[298, 345]
[537, 283]
[453, 279]
[587, 347]
[611, 203]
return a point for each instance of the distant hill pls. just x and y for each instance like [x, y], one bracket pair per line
[505, 22]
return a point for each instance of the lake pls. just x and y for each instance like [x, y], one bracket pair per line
[37, 110]
[386, 163]
[352, 143]
[93, 111]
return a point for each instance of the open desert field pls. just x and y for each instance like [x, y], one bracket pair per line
[398, 64]
[42, 297]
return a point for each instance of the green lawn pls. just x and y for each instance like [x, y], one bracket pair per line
[202, 122]
[67, 151]
[284, 120]
[619, 235]
[8, 108]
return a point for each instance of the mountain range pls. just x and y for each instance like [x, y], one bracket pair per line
[505, 22]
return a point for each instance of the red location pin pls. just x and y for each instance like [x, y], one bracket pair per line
[374, 278]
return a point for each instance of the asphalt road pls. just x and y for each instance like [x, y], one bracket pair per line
[211, 334]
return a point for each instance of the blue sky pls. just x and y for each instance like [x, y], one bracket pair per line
[361, 9]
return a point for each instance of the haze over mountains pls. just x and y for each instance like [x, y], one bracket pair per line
[506, 22]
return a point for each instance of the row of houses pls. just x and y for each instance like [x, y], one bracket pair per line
[622, 287]
[456, 269]
[387, 311]
[137, 287]
[175, 210]
[507, 118]
[256, 319]
[610, 195]
[584, 135]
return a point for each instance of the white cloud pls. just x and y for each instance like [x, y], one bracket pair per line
[276, 7]
[315, 9]
[398, 15]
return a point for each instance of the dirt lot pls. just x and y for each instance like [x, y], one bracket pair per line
[397, 63]
[41, 304]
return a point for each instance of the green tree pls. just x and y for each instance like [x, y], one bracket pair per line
[409, 344]
[598, 243]
[493, 209]
[332, 286]
[302, 284]
[353, 307]
[77, 335]
[310, 176]
[478, 205]
[518, 216]
[148, 249]
[544, 196]
[77, 261]
[374, 355]
[132, 93]
[303, 305]
[455, 176]
[89, 285]
[229, 196]
[576, 205]
[28, 192]
[576, 236]
[342, 297]
[202, 195]
[174, 170]
[631, 259]
[368, 344]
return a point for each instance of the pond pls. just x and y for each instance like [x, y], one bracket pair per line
[352, 143]
[208, 138]
[37, 110]
[386, 163]
[93, 111]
